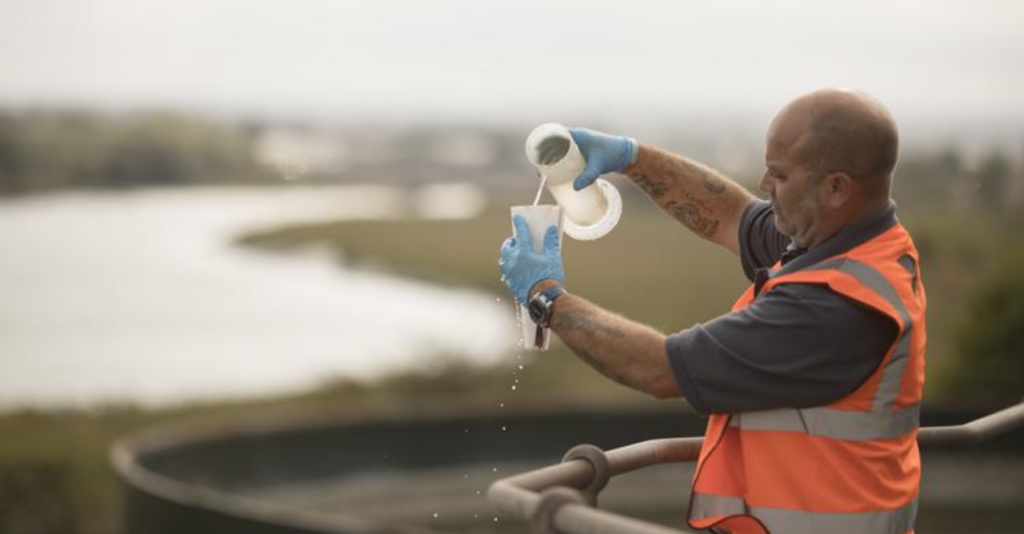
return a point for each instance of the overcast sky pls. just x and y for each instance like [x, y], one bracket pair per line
[483, 60]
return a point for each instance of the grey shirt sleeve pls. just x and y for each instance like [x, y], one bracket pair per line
[796, 346]
[761, 243]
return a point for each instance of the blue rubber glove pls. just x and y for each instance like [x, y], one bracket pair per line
[604, 153]
[522, 267]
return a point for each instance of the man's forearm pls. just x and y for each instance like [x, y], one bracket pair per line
[705, 201]
[625, 351]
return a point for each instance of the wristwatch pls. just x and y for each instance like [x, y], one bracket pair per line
[540, 305]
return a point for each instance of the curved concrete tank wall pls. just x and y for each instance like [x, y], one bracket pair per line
[200, 478]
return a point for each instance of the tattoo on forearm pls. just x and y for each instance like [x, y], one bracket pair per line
[580, 322]
[655, 190]
[712, 183]
[572, 326]
[673, 183]
[605, 370]
[694, 199]
[688, 214]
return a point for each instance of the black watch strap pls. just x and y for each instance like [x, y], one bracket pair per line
[541, 304]
[552, 293]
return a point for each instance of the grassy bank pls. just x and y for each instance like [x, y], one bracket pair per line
[652, 269]
[649, 268]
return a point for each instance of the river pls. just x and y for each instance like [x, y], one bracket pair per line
[141, 296]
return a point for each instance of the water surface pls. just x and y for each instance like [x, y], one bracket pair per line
[142, 296]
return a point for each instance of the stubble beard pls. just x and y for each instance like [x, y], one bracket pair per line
[802, 238]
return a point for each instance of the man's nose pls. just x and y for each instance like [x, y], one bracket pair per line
[765, 184]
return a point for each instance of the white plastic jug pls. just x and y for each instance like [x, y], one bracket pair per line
[590, 213]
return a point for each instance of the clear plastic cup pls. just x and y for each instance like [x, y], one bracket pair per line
[538, 219]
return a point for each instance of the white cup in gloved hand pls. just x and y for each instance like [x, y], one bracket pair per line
[520, 272]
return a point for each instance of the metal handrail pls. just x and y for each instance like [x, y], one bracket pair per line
[973, 433]
[561, 498]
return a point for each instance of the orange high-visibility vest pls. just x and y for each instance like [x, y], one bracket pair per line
[851, 466]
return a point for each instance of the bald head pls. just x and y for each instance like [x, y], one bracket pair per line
[840, 130]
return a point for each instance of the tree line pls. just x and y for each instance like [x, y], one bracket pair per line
[50, 150]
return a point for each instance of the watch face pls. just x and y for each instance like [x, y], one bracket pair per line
[536, 309]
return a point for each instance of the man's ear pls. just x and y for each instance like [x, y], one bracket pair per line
[838, 189]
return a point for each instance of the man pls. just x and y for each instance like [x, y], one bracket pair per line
[813, 381]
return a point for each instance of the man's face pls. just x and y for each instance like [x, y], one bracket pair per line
[791, 186]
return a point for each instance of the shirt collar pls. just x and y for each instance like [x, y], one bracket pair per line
[853, 235]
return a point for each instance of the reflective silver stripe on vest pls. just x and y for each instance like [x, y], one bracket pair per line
[869, 277]
[785, 521]
[705, 505]
[881, 422]
[831, 423]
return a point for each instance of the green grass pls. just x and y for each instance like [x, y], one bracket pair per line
[651, 269]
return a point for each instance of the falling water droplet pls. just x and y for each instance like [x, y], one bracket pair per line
[520, 367]
[294, 170]
[504, 428]
[513, 387]
[495, 470]
[502, 405]
[435, 515]
[495, 519]
[497, 299]
[465, 476]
